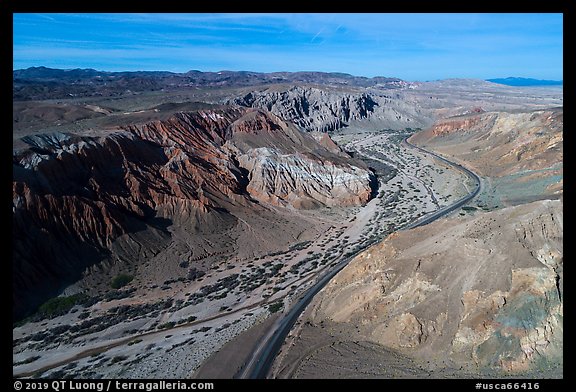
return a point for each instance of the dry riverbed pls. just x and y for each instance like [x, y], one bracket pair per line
[171, 330]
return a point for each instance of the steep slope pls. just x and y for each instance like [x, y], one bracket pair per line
[458, 289]
[522, 152]
[293, 169]
[466, 296]
[516, 141]
[80, 200]
[326, 109]
[450, 295]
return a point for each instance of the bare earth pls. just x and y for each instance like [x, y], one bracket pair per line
[180, 350]
[446, 300]
[473, 295]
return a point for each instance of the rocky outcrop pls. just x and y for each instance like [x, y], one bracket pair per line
[75, 197]
[286, 167]
[501, 143]
[324, 109]
[482, 292]
[466, 124]
[522, 152]
[301, 182]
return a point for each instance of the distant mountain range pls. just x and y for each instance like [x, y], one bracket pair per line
[44, 73]
[511, 81]
[47, 83]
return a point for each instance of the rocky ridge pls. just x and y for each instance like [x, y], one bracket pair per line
[293, 179]
[49, 83]
[457, 295]
[522, 152]
[325, 109]
[520, 141]
[479, 294]
[75, 197]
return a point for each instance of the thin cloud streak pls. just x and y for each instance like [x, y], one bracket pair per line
[410, 46]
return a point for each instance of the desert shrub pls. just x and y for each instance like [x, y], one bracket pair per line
[119, 358]
[84, 315]
[275, 307]
[168, 325]
[71, 365]
[60, 305]
[194, 274]
[27, 360]
[118, 294]
[121, 281]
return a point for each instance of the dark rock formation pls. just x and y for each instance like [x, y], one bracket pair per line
[326, 109]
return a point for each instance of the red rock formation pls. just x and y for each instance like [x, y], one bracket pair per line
[516, 141]
[451, 125]
[74, 196]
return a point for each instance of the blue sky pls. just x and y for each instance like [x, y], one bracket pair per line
[408, 46]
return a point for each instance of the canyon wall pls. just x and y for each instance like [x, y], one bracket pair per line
[75, 197]
[325, 110]
[481, 292]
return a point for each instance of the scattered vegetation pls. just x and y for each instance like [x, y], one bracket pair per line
[168, 325]
[27, 360]
[119, 358]
[60, 305]
[300, 246]
[275, 307]
[67, 333]
[118, 294]
[188, 320]
[121, 281]
[195, 274]
[136, 341]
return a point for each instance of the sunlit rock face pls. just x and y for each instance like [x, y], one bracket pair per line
[482, 291]
[329, 109]
[75, 197]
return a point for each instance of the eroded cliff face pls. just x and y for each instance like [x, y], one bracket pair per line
[75, 197]
[295, 180]
[291, 168]
[521, 152]
[500, 143]
[316, 109]
[483, 292]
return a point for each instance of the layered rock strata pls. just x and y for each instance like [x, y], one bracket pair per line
[325, 109]
[74, 197]
[451, 293]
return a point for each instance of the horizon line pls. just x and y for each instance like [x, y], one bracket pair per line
[288, 72]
